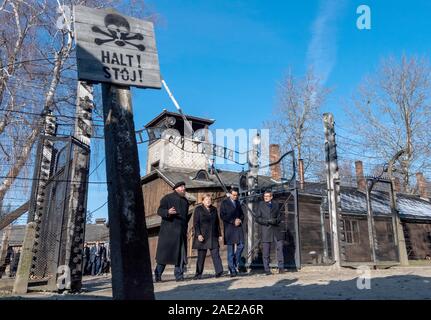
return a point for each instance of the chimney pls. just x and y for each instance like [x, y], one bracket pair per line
[301, 173]
[100, 221]
[274, 155]
[397, 184]
[421, 185]
[360, 179]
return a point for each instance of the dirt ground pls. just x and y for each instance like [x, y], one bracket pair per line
[309, 283]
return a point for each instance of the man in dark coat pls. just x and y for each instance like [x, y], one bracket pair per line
[102, 251]
[91, 265]
[232, 215]
[268, 215]
[85, 259]
[95, 259]
[172, 244]
[14, 263]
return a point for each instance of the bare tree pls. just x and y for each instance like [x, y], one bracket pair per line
[297, 119]
[392, 111]
[37, 75]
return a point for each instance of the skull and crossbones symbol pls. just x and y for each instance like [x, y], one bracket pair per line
[118, 31]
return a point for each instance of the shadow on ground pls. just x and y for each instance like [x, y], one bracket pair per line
[391, 287]
[276, 287]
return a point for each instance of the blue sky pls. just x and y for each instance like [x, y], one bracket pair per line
[223, 59]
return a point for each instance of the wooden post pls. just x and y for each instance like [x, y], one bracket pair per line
[398, 228]
[79, 185]
[37, 206]
[324, 240]
[333, 185]
[296, 221]
[370, 219]
[131, 265]
[4, 246]
[25, 261]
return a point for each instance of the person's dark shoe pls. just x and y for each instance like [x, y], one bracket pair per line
[158, 278]
[280, 271]
[197, 277]
[233, 274]
[218, 275]
[179, 279]
[268, 273]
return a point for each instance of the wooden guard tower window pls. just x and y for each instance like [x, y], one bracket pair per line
[155, 165]
[202, 175]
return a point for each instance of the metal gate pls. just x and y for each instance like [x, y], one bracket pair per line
[52, 241]
[367, 225]
[286, 194]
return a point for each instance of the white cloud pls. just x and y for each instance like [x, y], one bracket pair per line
[322, 49]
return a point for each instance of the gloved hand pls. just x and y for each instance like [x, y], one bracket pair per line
[272, 221]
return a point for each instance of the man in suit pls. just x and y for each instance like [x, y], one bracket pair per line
[232, 215]
[172, 244]
[95, 257]
[268, 215]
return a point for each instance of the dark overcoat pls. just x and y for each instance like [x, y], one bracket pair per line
[93, 252]
[270, 221]
[206, 223]
[228, 213]
[173, 229]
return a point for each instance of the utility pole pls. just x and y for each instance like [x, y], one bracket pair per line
[131, 265]
[333, 185]
[398, 228]
[79, 185]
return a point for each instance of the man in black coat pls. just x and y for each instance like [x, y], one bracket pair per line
[172, 244]
[232, 215]
[95, 259]
[102, 252]
[268, 215]
[85, 259]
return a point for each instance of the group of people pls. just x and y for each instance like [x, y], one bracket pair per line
[10, 264]
[96, 259]
[172, 244]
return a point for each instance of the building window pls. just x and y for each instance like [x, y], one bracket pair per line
[202, 175]
[155, 165]
[351, 230]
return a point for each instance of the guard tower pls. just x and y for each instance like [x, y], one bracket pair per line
[181, 151]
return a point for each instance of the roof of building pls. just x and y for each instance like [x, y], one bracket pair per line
[189, 176]
[166, 113]
[353, 201]
[93, 233]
